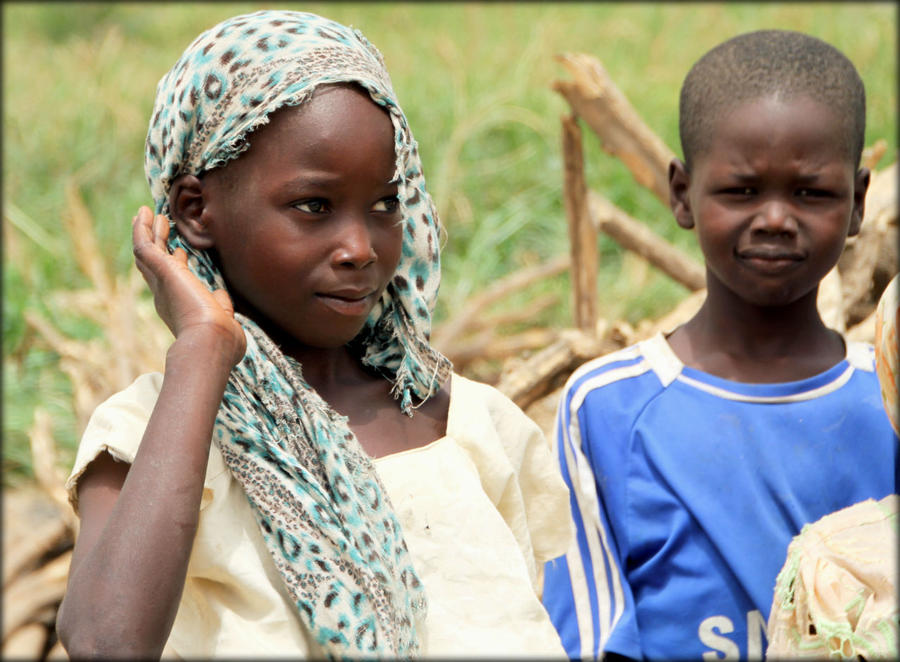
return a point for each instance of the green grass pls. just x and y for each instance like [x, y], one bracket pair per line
[474, 80]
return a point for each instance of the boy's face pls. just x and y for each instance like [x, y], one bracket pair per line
[306, 222]
[773, 198]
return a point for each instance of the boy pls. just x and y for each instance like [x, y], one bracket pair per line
[694, 458]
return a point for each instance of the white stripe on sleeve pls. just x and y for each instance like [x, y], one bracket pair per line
[585, 491]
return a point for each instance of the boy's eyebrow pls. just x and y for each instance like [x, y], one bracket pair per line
[802, 178]
[810, 178]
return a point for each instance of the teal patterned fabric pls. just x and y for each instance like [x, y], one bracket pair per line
[321, 507]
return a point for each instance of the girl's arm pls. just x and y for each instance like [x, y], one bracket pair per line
[138, 522]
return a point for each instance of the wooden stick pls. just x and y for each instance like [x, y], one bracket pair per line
[537, 375]
[57, 652]
[80, 227]
[582, 235]
[830, 301]
[864, 331]
[681, 313]
[505, 318]
[595, 98]
[20, 554]
[865, 253]
[28, 595]
[26, 643]
[637, 237]
[46, 469]
[872, 154]
[490, 347]
[455, 327]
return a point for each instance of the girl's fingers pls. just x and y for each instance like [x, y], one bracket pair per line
[221, 296]
[144, 215]
[148, 230]
[181, 298]
[141, 232]
[140, 214]
[160, 230]
[149, 234]
[139, 222]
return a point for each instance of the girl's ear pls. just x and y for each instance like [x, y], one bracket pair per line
[679, 185]
[860, 186]
[187, 205]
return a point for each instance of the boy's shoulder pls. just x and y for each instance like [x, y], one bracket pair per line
[647, 367]
[629, 378]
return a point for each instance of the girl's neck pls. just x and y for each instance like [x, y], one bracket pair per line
[329, 370]
[759, 344]
[325, 369]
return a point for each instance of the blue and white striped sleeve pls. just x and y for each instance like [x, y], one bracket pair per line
[585, 591]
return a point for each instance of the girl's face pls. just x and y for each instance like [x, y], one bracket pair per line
[306, 222]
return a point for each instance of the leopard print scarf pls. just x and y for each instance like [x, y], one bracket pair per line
[321, 508]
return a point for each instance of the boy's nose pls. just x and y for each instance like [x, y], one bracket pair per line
[775, 217]
[354, 245]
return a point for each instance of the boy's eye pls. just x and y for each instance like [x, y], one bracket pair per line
[387, 205]
[312, 206]
[812, 193]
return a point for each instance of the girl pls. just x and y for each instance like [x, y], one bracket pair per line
[307, 478]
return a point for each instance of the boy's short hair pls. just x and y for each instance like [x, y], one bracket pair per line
[757, 64]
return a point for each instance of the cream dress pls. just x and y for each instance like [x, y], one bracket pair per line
[482, 509]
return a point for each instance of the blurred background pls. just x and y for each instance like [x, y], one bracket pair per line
[475, 82]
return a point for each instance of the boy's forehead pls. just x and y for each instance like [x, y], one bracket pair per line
[783, 113]
[763, 62]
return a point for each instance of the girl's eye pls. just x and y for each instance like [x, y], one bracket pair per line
[387, 205]
[313, 206]
[812, 193]
[740, 191]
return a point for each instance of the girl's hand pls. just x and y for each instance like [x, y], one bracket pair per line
[182, 300]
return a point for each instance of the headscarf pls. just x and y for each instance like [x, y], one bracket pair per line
[321, 508]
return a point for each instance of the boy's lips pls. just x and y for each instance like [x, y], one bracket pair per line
[770, 258]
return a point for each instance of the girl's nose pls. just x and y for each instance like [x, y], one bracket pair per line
[775, 217]
[354, 247]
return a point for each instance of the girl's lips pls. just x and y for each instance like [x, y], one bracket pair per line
[353, 306]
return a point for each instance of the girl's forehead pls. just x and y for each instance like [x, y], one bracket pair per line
[333, 127]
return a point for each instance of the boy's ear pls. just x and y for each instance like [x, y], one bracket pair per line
[187, 204]
[679, 185]
[860, 186]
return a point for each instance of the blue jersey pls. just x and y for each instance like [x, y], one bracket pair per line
[686, 490]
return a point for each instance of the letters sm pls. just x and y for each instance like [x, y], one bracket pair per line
[713, 630]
